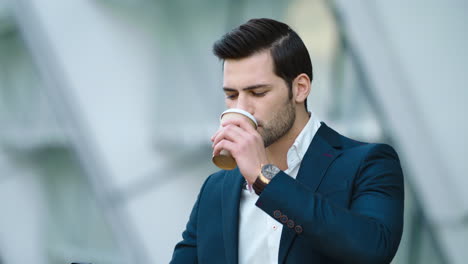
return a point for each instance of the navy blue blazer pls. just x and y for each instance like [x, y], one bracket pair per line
[345, 206]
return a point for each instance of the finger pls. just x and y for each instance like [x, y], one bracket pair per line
[223, 144]
[243, 123]
[231, 132]
[215, 134]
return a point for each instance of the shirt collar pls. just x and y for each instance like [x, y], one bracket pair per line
[298, 149]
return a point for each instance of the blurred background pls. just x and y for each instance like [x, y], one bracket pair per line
[107, 108]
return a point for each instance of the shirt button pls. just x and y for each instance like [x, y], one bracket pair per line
[275, 227]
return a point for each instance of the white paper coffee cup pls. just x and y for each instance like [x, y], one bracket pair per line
[225, 160]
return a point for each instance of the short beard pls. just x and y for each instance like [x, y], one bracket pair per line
[279, 125]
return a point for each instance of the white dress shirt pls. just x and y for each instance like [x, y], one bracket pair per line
[260, 234]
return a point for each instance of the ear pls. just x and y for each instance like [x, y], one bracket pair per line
[301, 88]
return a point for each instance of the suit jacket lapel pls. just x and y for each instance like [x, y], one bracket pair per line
[233, 181]
[320, 154]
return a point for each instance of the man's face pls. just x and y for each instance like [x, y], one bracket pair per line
[250, 84]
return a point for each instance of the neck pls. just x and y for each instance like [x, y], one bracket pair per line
[278, 151]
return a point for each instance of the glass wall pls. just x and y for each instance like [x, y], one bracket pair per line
[61, 221]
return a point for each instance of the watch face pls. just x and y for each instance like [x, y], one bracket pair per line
[270, 171]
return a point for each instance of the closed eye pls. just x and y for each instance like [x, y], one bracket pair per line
[231, 96]
[259, 94]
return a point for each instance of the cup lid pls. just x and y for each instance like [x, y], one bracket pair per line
[242, 112]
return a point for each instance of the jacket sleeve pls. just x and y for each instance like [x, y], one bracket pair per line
[369, 231]
[185, 252]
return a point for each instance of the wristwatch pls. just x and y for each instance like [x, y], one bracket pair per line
[267, 173]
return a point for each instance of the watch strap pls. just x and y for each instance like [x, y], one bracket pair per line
[260, 183]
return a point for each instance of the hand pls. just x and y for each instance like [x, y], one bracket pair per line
[240, 138]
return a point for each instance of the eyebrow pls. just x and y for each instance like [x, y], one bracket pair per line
[248, 88]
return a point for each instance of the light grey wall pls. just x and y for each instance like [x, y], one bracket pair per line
[413, 55]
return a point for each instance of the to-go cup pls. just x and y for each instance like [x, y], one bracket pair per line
[224, 159]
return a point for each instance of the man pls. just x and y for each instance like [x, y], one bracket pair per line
[318, 197]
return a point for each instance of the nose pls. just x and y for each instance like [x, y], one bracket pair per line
[244, 103]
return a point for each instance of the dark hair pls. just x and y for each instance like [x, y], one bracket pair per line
[290, 55]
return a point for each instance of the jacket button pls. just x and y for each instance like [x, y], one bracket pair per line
[284, 219]
[290, 223]
[298, 229]
[277, 214]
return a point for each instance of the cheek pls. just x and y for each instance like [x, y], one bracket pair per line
[263, 119]
[268, 110]
[271, 116]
